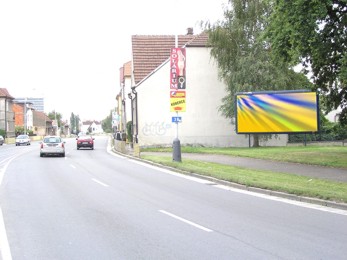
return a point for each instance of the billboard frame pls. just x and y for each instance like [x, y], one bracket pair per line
[280, 92]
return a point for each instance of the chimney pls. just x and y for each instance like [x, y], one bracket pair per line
[190, 31]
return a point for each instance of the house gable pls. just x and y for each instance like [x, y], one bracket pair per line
[150, 51]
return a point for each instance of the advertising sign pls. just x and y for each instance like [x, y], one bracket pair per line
[178, 68]
[177, 101]
[178, 80]
[277, 112]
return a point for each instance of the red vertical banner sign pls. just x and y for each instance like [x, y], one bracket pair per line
[178, 79]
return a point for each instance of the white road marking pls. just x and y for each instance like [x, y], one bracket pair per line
[284, 200]
[99, 182]
[255, 194]
[188, 177]
[186, 221]
[4, 245]
[72, 166]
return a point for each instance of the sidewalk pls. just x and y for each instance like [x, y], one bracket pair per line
[327, 173]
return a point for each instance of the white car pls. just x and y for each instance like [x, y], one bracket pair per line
[52, 145]
[1, 140]
[22, 140]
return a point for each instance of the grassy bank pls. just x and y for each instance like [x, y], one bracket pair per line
[288, 183]
[331, 156]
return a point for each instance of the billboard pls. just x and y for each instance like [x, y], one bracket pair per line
[277, 112]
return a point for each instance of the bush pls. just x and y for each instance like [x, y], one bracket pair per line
[329, 132]
[130, 131]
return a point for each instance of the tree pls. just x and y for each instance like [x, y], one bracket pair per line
[107, 123]
[314, 33]
[55, 116]
[244, 56]
[74, 123]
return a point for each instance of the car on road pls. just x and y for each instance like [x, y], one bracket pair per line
[1, 140]
[22, 140]
[85, 141]
[52, 145]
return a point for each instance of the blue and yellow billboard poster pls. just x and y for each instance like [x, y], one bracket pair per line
[277, 112]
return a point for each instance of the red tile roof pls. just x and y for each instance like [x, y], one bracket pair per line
[150, 51]
[5, 93]
[127, 69]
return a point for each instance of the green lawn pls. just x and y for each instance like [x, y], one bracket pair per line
[292, 184]
[332, 156]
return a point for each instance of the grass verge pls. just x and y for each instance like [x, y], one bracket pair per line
[330, 156]
[288, 183]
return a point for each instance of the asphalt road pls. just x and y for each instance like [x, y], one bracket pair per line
[93, 204]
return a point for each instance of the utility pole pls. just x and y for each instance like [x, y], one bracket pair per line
[25, 116]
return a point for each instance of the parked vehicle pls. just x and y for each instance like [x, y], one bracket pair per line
[52, 145]
[2, 140]
[22, 140]
[85, 141]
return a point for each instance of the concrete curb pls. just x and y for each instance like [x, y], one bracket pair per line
[316, 201]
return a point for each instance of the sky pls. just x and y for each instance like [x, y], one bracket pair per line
[70, 51]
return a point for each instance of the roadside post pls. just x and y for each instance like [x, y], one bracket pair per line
[177, 93]
[176, 156]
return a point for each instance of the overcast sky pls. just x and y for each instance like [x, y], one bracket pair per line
[70, 51]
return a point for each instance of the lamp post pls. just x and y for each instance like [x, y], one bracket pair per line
[25, 116]
[133, 90]
[132, 115]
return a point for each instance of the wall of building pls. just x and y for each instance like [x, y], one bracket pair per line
[202, 123]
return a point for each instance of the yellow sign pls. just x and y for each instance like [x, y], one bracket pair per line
[177, 101]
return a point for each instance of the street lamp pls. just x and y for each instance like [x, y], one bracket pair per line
[25, 116]
[133, 90]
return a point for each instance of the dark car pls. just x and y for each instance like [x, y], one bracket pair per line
[85, 141]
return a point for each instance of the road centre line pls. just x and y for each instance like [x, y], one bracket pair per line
[186, 221]
[99, 182]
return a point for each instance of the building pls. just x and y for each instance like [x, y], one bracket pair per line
[42, 124]
[7, 116]
[23, 116]
[91, 127]
[36, 103]
[123, 111]
[202, 123]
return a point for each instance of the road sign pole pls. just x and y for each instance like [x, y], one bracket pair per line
[176, 146]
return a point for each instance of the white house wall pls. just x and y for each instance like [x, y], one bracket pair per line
[202, 123]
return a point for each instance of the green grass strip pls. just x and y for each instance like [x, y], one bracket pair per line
[330, 156]
[288, 183]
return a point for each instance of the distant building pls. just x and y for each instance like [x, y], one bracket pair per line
[23, 116]
[37, 103]
[6, 113]
[42, 124]
[92, 127]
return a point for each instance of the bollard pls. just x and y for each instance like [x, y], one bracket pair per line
[176, 153]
